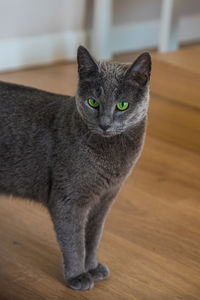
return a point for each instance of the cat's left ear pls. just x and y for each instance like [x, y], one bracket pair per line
[140, 70]
[87, 66]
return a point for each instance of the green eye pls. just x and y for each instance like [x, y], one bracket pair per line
[92, 102]
[122, 105]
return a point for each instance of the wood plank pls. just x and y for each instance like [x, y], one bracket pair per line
[60, 78]
[175, 123]
[176, 76]
[187, 58]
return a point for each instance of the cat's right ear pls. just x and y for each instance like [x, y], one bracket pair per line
[87, 66]
[140, 70]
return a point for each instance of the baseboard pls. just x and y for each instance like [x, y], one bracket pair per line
[189, 28]
[134, 36]
[143, 35]
[36, 50]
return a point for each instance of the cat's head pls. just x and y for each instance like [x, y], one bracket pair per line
[112, 97]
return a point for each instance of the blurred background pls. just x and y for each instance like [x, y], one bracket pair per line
[47, 31]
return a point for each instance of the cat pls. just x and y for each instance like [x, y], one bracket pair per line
[72, 154]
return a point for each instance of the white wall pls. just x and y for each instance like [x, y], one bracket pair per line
[144, 10]
[41, 31]
[19, 18]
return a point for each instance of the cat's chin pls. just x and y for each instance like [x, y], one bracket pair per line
[107, 134]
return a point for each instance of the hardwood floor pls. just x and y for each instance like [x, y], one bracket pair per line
[151, 240]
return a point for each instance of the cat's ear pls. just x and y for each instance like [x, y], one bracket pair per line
[87, 66]
[140, 70]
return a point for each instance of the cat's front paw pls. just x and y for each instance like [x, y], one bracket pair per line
[82, 282]
[101, 272]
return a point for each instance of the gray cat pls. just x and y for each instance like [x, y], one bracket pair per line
[72, 154]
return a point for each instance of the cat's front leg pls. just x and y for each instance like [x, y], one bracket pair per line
[94, 229]
[69, 223]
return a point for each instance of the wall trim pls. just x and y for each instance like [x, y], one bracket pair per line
[37, 50]
[143, 35]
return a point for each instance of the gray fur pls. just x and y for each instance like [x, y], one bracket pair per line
[53, 150]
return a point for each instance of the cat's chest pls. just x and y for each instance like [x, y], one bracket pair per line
[115, 164]
[112, 161]
[95, 164]
[90, 170]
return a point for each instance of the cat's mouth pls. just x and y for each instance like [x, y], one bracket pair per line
[106, 133]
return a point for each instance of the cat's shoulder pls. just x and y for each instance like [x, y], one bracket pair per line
[21, 95]
[19, 88]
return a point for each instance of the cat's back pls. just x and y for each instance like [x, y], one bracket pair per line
[26, 106]
[27, 118]
[29, 112]
[16, 98]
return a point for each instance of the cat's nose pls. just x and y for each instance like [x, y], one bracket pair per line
[104, 127]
